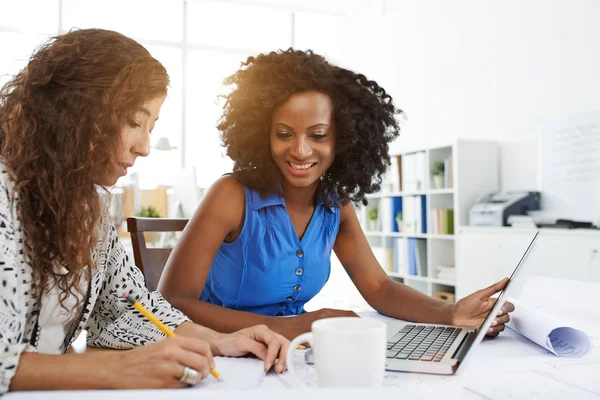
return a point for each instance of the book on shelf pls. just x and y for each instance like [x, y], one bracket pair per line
[414, 214]
[417, 257]
[442, 221]
[411, 261]
[413, 171]
[394, 175]
[399, 256]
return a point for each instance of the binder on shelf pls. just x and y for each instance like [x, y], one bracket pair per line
[409, 172]
[413, 171]
[385, 214]
[395, 173]
[442, 221]
[423, 215]
[414, 214]
[417, 257]
[420, 170]
[396, 208]
[399, 255]
[421, 256]
[412, 258]
[449, 225]
[399, 172]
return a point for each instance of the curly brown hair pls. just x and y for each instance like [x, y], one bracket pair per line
[364, 115]
[60, 122]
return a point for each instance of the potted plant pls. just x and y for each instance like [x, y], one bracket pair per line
[372, 219]
[437, 174]
[148, 212]
[398, 219]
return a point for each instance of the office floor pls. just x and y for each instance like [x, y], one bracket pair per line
[339, 292]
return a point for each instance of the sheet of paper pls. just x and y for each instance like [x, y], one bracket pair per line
[573, 302]
[306, 372]
[236, 373]
[547, 331]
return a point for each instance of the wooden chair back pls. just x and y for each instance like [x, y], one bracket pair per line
[151, 261]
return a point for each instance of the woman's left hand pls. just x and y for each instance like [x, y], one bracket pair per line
[258, 340]
[472, 310]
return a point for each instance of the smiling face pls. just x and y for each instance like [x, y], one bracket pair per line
[303, 138]
[135, 140]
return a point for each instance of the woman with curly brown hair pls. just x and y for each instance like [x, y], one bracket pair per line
[308, 139]
[71, 123]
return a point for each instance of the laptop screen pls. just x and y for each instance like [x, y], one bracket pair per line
[494, 311]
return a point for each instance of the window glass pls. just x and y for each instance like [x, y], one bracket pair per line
[17, 48]
[160, 166]
[238, 26]
[18, 15]
[139, 19]
[206, 71]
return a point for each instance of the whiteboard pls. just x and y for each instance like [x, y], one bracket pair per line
[570, 167]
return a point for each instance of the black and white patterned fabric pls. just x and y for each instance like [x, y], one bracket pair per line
[108, 318]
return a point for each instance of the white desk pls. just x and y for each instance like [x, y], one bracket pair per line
[508, 366]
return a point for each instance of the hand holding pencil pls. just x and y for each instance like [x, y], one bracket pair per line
[190, 375]
[258, 340]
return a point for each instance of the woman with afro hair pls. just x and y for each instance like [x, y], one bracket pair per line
[308, 139]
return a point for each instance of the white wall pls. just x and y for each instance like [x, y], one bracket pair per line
[493, 70]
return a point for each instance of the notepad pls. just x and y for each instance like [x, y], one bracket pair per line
[236, 373]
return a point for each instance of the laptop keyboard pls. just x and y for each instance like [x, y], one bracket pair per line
[420, 342]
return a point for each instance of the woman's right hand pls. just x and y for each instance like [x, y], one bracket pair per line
[161, 364]
[290, 327]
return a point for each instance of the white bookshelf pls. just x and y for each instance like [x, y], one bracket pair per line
[475, 173]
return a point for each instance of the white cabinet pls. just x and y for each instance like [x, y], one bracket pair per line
[421, 251]
[486, 255]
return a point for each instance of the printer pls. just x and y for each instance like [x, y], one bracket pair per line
[494, 209]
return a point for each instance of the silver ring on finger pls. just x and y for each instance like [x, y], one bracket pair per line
[190, 376]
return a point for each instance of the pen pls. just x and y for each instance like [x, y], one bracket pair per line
[138, 306]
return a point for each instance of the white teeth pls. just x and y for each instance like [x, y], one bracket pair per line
[303, 166]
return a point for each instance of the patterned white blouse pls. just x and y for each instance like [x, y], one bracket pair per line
[109, 320]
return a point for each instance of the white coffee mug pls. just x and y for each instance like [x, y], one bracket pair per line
[347, 351]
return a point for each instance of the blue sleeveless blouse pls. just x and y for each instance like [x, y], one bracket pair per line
[267, 269]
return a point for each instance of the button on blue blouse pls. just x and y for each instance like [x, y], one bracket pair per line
[267, 269]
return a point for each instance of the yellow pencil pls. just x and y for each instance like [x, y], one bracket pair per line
[138, 306]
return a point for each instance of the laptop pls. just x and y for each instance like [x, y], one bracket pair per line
[437, 349]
